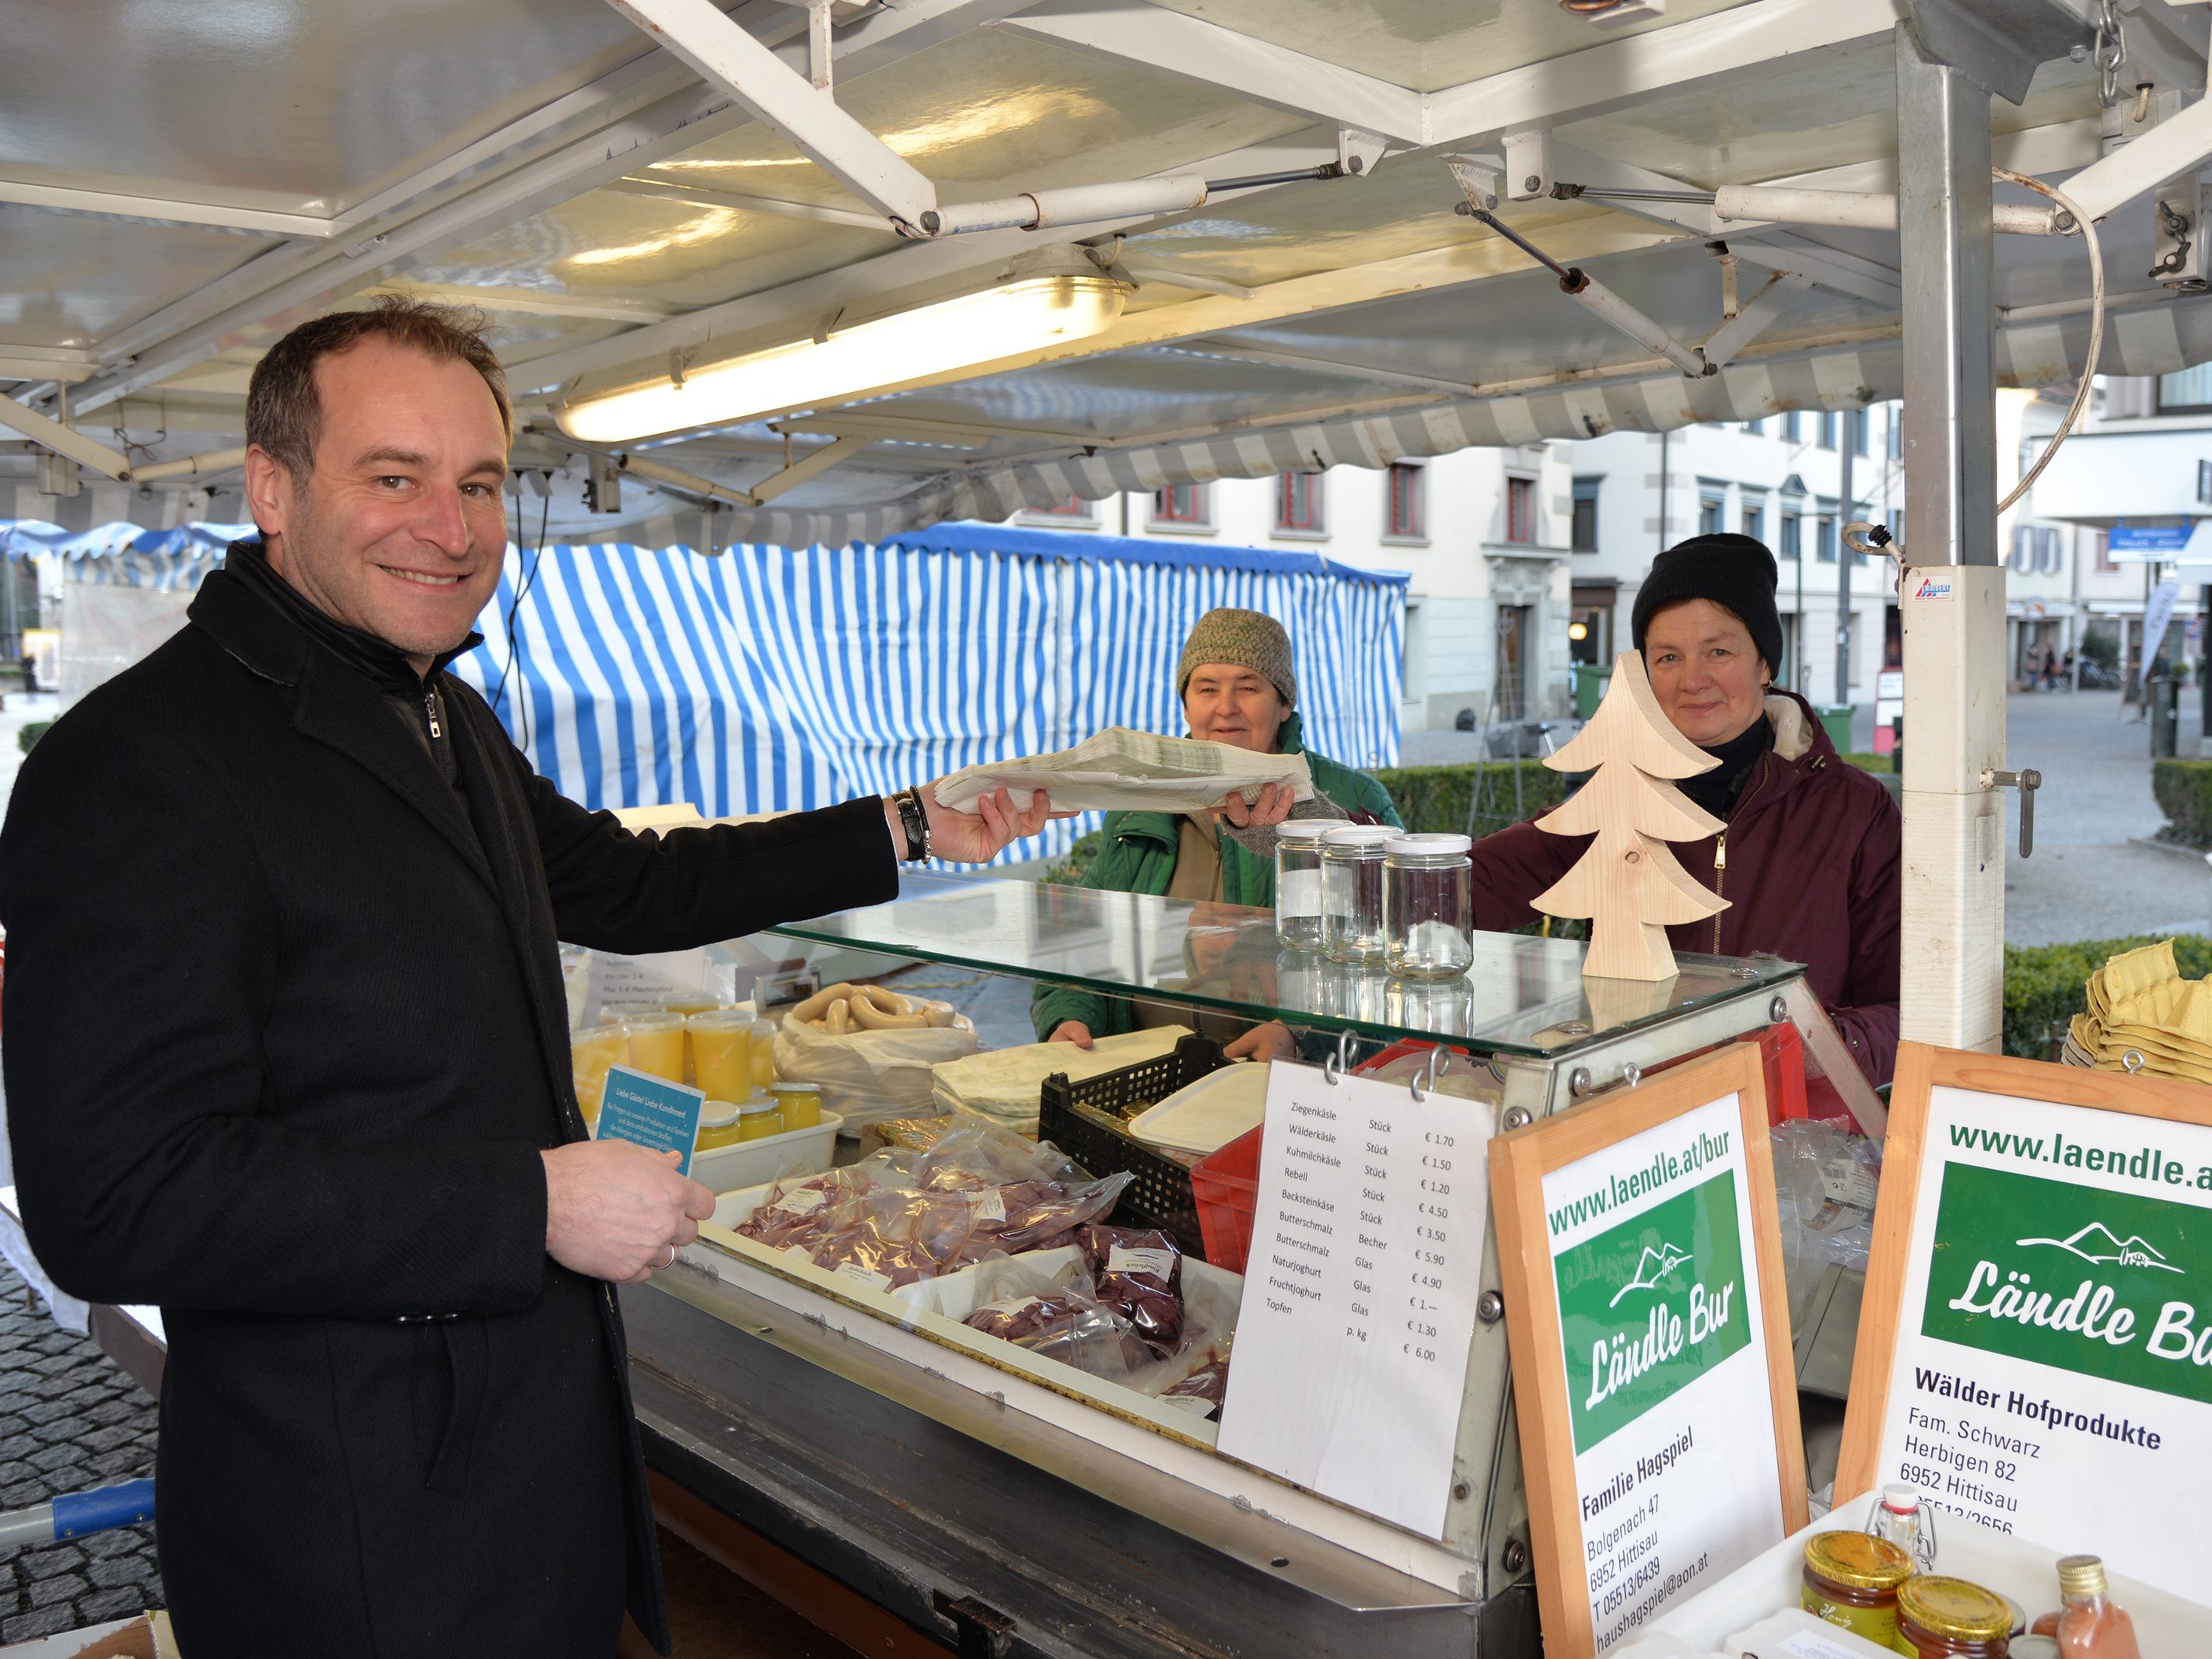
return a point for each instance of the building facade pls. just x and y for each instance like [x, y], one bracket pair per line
[1483, 533]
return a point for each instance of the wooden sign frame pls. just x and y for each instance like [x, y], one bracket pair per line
[1921, 1070]
[1520, 1159]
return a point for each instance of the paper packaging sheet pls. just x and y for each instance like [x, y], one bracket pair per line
[1359, 1295]
[1121, 770]
[1661, 1322]
[2089, 1428]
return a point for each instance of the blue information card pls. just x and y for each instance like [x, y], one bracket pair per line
[659, 1115]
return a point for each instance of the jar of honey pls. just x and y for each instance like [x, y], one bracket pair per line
[1850, 1579]
[689, 1002]
[719, 1125]
[763, 1053]
[721, 1043]
[1941, 1618]
[656, 1045]
[759, 1119]
[589, 1092]
[799, 1103]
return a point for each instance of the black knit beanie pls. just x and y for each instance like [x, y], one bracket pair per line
[1734, 572]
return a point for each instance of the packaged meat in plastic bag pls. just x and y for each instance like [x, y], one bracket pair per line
[986, 1156]
[1042, 1215]
[1139, 1274]
[1048, 1308]
[1201, 1392]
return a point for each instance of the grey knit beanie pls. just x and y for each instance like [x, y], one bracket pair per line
[1249, 638]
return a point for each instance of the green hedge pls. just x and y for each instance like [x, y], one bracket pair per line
[2184, 789]
[1436, 798]
[30, 733]
[2043, 984]
[1870, 763]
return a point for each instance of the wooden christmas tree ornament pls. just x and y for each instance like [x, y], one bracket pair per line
[1628, 884]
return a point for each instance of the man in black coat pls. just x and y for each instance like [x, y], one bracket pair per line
[288, 1054]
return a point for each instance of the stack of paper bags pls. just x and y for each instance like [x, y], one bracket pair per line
[1002, 1085]
[2139, 1004]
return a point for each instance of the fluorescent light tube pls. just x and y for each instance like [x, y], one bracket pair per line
[1015, 316]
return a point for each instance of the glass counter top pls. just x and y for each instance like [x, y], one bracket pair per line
[1524, 995]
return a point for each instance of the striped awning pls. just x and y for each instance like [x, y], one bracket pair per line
[772, 678]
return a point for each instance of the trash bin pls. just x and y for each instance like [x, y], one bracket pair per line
[2164, 716]
[1836, 719]
[1590, 681]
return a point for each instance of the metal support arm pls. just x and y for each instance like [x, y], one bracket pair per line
[788, 102]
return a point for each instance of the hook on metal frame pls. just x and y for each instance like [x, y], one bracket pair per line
[1338, 1063]
[1422, 1084]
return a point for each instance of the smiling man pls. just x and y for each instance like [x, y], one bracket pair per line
[1238, 687]
[288, 1050]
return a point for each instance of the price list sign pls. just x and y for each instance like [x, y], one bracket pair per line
[2035, 1347]
[1359, 1293]
[1650, 1333]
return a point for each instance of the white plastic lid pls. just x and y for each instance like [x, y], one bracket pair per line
[718, 1114]
[758, 1103]
[1306, 829]
[1438, 844]
[1372, 835]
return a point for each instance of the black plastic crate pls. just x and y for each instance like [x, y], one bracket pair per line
[1090, 1121]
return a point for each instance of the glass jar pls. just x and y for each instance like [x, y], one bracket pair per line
[800, 1103]
[759, 1118]
[1428, 905]
[1351, 892]
[1941, 1618]
[718, 1125]
[1297, 882]
[764, 1053]
[656, 1044]
[1850, 1579]
[721, 1043]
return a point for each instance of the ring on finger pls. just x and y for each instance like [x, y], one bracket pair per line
[670, 1263]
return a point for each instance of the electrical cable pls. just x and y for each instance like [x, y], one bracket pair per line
[521, 592]
[2096, 326]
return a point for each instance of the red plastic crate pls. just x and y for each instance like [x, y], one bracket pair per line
[1226, 1184]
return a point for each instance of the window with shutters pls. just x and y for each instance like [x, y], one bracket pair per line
[1585, 523]
[1519, 510]
[1298, 502]
[1183, 507]
[1405, 515]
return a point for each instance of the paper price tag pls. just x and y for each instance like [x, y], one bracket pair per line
[1847, 1181]
[859, 1275]
[802, 1200]
[1140, 1258]
[988, 1203]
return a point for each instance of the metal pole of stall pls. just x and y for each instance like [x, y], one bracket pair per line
[1844, 557]
[1953, 598]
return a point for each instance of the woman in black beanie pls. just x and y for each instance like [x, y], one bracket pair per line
[1809, 856]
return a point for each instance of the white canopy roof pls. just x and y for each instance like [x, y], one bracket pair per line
[182, 183]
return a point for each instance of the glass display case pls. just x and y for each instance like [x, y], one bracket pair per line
[1010, 1505]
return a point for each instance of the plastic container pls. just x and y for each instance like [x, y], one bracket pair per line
[595, 1047]
[718, 1125]
[721, 1041]
[1943, 1617]
[1297, 882]
[799, 1103]
[1351, 892]
[763, 1053]
[750, 1163]
[759, 1118]
[1850, 1579]
[1090, 1121]
[1226, 1187]
[1428, 906]
[688, 1003]
[656, 1044]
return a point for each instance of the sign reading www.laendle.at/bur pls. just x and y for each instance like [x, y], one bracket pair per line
[1650, 1335]
[2035, 1349]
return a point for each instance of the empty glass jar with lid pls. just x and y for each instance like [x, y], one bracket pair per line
[1351, 892]
[1428, 905]
[1297, 882]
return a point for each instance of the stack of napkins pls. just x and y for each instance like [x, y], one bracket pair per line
[1003, 1085]
[2139, 1004]
[1124, 771]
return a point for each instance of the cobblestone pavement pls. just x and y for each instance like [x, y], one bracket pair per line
[71, 1419]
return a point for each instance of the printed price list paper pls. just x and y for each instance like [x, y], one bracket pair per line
[2052, 1369]
[1360, 1291]
[1668, 1399]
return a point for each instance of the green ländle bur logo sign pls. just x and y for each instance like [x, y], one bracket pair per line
[2083, 1278]
[1648, 1308]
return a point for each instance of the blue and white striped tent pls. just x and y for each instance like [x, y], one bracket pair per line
[771, 678]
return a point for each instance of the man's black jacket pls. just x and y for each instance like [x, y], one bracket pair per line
[285, 1036]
